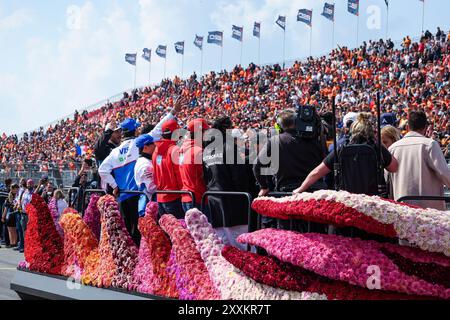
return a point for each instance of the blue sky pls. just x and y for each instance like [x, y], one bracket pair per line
[58, 56]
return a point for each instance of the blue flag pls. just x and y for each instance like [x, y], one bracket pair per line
[162, 51]
[198, 42]
[147, 55]
[215, 37]
[282, 22]
[328, 11]
[238, 33]
[179, 47]
[353, 7]
[257, 30]
[131, 58]
[305, 16]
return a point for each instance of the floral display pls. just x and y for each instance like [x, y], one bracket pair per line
[120, 246]
[55, 215]
[192, 277]
[79, 235]
[428, 229]
[70, 267]
[350, 260]
[275, 273]
[44, 246]
[92, 216]
[151, 274]
[232, 283]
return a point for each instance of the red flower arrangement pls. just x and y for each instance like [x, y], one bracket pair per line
[92, 216]
[151, 274]
[44, 246]
[325, 212]
[275, 273]
[193, 281]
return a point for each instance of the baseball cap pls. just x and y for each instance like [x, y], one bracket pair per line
[350, 117]
[144, 140]
[388, 119]
[30, 181]
[197, 124]
[130, 125]
[170, 126]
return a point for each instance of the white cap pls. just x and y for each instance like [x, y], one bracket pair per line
[351, 116]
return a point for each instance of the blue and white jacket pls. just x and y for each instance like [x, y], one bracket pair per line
[117, 170]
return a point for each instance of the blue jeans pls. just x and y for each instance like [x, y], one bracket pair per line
[188, 206]
[174, 208]
[20, 233]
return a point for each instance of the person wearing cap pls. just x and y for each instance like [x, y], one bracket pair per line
[143, 171]
[109, 140]
[167, 171]
[191, 164]
[388, 119]
[117, 170]
[348, 120]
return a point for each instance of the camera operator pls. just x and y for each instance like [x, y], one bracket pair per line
[299, 153]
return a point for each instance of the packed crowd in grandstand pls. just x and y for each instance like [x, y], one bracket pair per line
[415, 76]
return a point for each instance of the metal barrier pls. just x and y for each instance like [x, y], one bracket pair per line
[70, 192]
[180, 192]
[233, 194]
[88, 192]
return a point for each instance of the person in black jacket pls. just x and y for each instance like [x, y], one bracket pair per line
[109, 140]
[229, 214]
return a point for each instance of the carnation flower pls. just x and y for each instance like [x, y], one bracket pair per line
[92, 216]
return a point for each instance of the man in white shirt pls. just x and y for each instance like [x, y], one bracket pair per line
[423, 170]
[143, 170]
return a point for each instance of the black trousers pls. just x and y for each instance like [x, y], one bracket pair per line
[129, 211]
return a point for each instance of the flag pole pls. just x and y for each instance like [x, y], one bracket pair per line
[135, 72]
[259, 49]
[242, 48]
[150, 73]
[182, 65]
[387, 23]
[423, 17]
[284, 47]
[165, 64]
[221, 52]
[357, 30]
[310, 40]
[201, 62]
[332, 36]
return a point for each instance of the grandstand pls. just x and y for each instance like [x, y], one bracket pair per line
[412, 74]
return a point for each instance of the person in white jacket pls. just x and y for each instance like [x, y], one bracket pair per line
[117, 170]
[143, 171]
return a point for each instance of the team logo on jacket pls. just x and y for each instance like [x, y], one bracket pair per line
[159, 160]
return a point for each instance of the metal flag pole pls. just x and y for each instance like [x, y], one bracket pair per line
[182, 65]
[284, 47]
[310, 41]
[387, 23]
[259, 49]
[135, 72]
[423, 17]
[332, 36]
[242, 48]
[221, 53]
[165, 65]
[201, 61]
[150, 72]
[357, 30]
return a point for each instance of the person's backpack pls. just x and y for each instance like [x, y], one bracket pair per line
[358, 169]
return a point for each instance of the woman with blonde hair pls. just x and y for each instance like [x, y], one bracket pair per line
[389, 136]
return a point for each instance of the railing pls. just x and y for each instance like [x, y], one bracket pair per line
[70, 191]
[180, 192]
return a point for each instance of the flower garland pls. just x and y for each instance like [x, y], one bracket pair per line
[120, 246]
[429, 229]
[151, 273]
[192, 277]
[92, 216]
[275, 273]
[347, 259]
[232, 283]
[44, 246]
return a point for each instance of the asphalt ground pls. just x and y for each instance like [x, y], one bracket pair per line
[9, 259]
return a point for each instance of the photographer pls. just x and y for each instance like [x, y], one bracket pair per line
[82, 183]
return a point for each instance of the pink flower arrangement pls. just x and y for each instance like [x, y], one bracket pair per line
[230, 281]
[348, 260]
[275, 273]
[151, 273]
[120, 245]
[55, 215]
[44, 246]
[92, 216]
[426, 228]
[192, 278]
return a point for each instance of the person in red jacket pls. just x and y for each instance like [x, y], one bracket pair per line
[167, 171]
[191, 164]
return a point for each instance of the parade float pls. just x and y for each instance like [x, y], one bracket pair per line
[93, 257]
